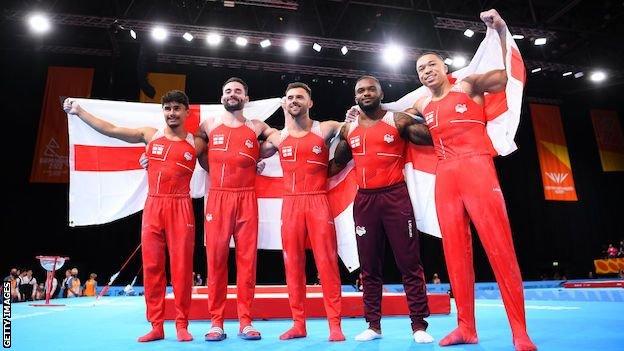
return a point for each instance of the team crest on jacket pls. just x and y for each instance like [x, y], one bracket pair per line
[157, 149]
[461, 108]
[287, 151]
[249, 144]
[360, 230]
[188, 156]
[317, 149]
[218, 139]
[355, 142]
[388, 138]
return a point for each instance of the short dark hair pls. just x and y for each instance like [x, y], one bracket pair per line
[175, 96]
[430, 53]
[368, 77]
[238, 80]
[301, 85]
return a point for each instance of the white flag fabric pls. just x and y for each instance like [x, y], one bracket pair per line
[502, 112]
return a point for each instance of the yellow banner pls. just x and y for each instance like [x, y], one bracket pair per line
[162, 83]
[609, 139]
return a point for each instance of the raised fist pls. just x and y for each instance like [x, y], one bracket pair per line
[493, 20]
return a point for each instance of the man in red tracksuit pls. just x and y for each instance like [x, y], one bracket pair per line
[467, 189]
[168, 221]
[231, 206]
[303, 147]
[377, 141]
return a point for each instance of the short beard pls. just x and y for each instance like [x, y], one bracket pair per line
[370, 108]
[233, 108]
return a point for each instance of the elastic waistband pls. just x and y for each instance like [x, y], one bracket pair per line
[233, 190]
[462, 156]
[320, 192]
[382, 189]
[178, 196]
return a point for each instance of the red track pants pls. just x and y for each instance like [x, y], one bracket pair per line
[467, 189]
[168, 226]
[304, 216]
[232, 212]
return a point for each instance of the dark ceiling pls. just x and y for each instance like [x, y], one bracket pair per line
[582, 34]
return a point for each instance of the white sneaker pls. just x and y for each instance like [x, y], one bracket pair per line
[368, 335]
[422, 337]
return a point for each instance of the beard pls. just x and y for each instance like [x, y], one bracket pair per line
[234, 107]
[302, 111]
[371, 107]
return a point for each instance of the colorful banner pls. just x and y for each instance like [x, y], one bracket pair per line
[50, 161]
[162, 83]
[609, 265]
[610, 139]
[553, 155]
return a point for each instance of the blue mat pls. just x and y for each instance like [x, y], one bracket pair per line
[114, 323]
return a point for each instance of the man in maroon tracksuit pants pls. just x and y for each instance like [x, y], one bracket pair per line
[377, 142]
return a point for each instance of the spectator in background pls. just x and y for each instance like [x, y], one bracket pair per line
[198, 281]
[359, 286]
[612, 252]
[73, 285]
[590, 275]
[621, 274]
[621, 250]
[53, 287]
[40, 292]
[66, 283]
[90, 285]
[436, 279]
[12, 277]
[27, 286]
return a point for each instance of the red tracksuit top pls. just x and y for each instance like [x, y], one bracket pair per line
[304, 161]
[232, 156]
[378, 152]
[457, 125]
[171, 164]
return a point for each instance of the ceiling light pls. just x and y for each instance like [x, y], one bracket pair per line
[39, 23]
[535, 70]
[393, 54]
[540, 41]
[213, 39]
[578, 74]
[159, 33]
[291, 45]
[265, 43]
[459, 61]
[187, 36]
[344, 50]
[469, 33]
[317, 47]
[518, 36]
[448, 61]
[597, 76]
[133, 34]
[567, 74]
[240, 41]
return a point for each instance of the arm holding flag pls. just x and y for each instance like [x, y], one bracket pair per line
[130, 135]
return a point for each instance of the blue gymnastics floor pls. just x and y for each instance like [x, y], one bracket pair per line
[114, 323]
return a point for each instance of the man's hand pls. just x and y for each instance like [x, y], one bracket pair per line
[143, 161]
[352, 114]
[493, 20]
[71, 107]
[260, 167]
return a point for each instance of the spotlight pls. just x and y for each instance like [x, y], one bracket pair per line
[540, 41]
[518, 36]
[291, 45]
[159, 33]
[317, 47]
[459, 61]
[469, 33]
[240, 41]
[188, 36]
[39, 23]
[448, 61]
[213, 39]
[133, 34]
[330, 82]
[535, 70]
[265, 43]
[344, 50]
[578, 74]
[567, 74]
[393, 54]
[597, 76]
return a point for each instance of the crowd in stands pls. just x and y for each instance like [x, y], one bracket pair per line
[25, 287]
[613, 251]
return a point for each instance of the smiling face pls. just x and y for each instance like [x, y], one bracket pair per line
[431, 70]
[298, 102]
[234, 96]
[175, 114]
[368, 94]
